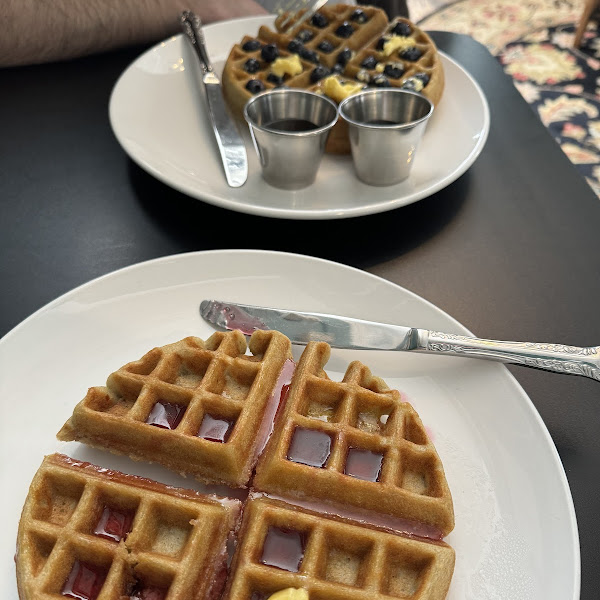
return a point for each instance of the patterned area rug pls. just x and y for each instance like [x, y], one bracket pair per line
[533, 40]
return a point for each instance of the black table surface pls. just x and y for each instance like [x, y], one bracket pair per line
[510, 249]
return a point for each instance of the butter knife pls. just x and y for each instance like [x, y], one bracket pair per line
[345, 332]
[231, 145]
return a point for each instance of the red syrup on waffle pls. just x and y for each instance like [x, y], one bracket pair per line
[283, 549]
[165, 415]
[363, 464]
[275, 403]
[215, 429]
[84, 582]
[114, 524]
[309, 447]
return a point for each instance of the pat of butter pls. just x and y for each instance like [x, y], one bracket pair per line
[287, 66]
[337, 91]
[290, 594]
[418, 85]
[398, 42]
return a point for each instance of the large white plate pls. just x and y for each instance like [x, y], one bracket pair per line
[515, 536]
[158, 114]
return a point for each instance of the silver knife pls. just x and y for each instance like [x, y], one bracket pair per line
[345, 332]
[231, 145]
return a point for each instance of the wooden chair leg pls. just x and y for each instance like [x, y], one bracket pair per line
[588, 11]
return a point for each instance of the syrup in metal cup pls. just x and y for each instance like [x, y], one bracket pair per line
[289, 129]
[385, 127]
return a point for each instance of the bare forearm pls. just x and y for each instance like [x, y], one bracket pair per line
[36, 31]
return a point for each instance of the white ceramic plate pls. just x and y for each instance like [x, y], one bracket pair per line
[158, 114]
[515, 536]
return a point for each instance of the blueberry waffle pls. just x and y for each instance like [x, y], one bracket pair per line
[335, 33]
[338, 51]
[403, 56]
[90, 533]
[285, 548]
[196, 407]
[354, 447]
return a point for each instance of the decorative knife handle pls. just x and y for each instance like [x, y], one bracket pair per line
[192, 28]
[571, 360]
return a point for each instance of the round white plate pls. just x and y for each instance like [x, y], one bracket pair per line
[515, 536]
[159, 116]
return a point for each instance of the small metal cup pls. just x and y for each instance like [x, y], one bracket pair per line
[289, 159]
[385, 128]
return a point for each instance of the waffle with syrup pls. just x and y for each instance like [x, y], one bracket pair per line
[354, 447]
[91, 533]
[196, 407]
[341, 50]
[283, 546]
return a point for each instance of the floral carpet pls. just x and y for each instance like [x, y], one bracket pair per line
[533, 40]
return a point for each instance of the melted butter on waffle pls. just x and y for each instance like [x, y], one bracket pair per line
[397, 42]
[290, 65]
[338, 90]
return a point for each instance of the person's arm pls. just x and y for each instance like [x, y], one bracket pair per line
[36, 31]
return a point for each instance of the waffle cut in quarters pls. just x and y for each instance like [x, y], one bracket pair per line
[284, 546]
[354, 448]
[94, 534]
[203, 408]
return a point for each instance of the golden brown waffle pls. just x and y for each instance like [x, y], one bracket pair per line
[91, 533]
[236, 76]
[356, 446]
[284, 546]
[342, 29]
[343, 59]
[195, 407]
[415, 61]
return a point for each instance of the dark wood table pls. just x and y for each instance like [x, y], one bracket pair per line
[510, 249]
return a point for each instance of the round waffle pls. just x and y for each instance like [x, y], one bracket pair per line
[339, 51]
[348, 501]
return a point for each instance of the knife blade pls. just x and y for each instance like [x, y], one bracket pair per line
[305, 327]
[230, 143]
[357, 334]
